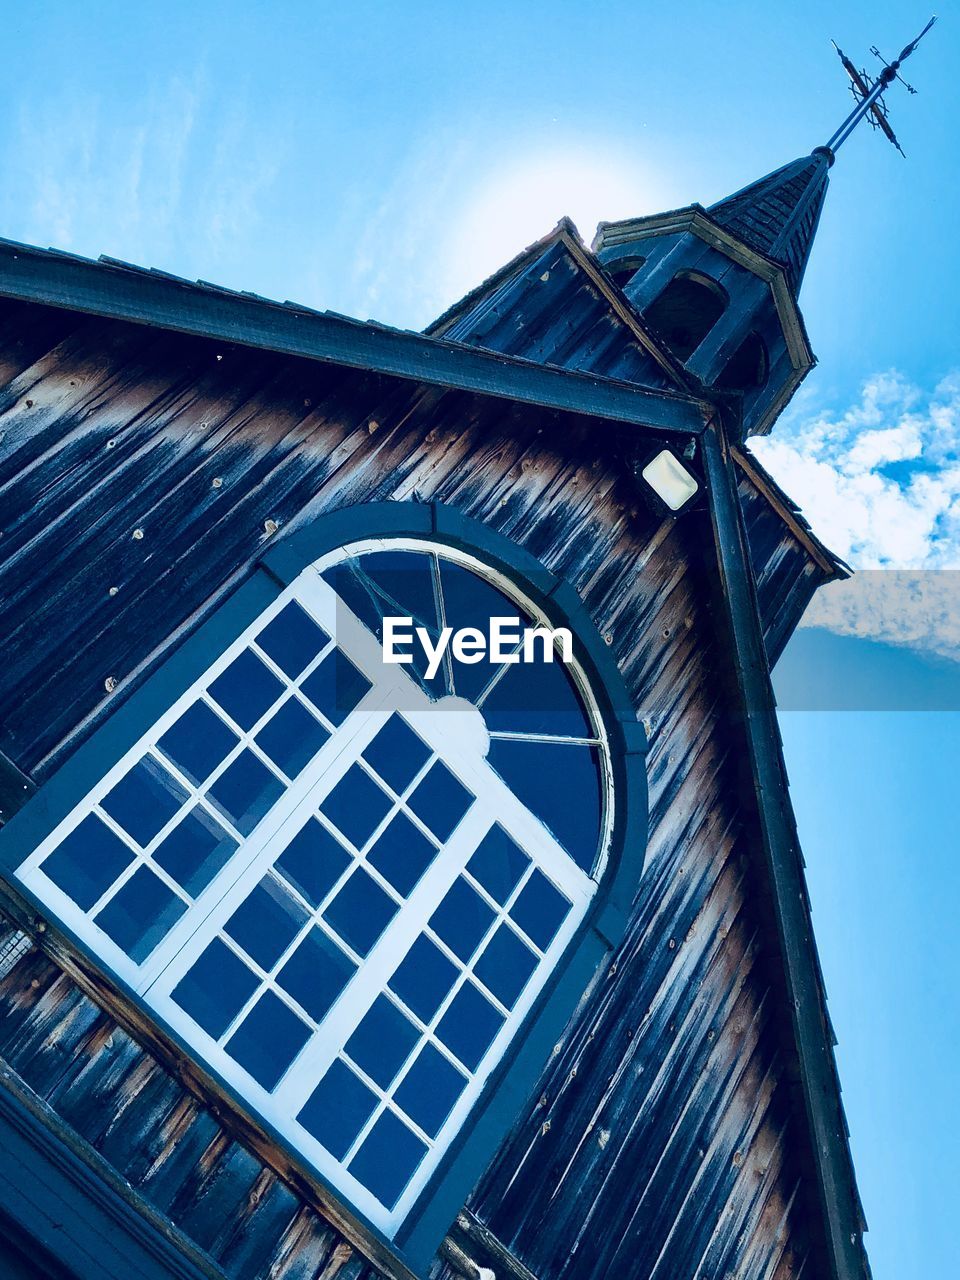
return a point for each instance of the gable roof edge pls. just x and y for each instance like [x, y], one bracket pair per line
[119, 291]
[810, 1024]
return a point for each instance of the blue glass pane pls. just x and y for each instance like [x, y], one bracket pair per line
[267, 921]
[402, 854]
[469, 1026]
[498, 864]
[246, 689]
[336, 686]
[144, 800]
[357, 593]
[540, 910]
[268, 1040]
[388, 1159]
[316, 973]
[245, 791]
[356, 805]
[292, 737]
[360, 912]
[429, 1089]
[87, 861]
[338, 1109]
[402, 585]
[215, 989]
[462, 919]
[382, 1042]
[292, 639]
[198, 742]
[469, 601]
[140, 913]
[313, 861]
[505, 966]
[397, 753]
[404, 581]
[195, 850]
[537, 697]
[423, 978]
[560, 784]
[440, 801]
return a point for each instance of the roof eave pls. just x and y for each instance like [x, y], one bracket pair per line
[118, 291]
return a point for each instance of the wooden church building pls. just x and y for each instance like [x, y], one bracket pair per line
[485, 964]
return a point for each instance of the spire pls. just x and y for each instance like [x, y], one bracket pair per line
[779, 214]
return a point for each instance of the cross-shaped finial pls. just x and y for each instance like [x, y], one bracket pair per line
[869, 93]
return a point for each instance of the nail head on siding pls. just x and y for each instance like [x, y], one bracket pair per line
[29, 404]
[270, 526]
[137, 535]
[217, 482]
[373, 425]
[545, 277]
[113, 591]
[608, 637]
[110, 684]
[111, 444]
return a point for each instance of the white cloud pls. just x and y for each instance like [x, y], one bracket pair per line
[880, 483]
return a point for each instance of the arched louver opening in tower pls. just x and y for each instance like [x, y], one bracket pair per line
[748, 368]
[623, 271]
[686, 311]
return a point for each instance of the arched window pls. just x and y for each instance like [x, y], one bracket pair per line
[624, 269]
[686, 311]
[344, 880]
[748, 367]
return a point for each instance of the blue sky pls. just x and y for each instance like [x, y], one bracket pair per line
[378, 159]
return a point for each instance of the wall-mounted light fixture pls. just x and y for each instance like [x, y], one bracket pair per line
[670, 480]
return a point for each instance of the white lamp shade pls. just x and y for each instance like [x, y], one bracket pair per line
[670, 480]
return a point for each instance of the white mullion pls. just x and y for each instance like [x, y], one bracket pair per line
[498, 675]
[476, 1080]
[262, 849]
[441, 607]
[545, 738]
[128, 871]
[374, 974]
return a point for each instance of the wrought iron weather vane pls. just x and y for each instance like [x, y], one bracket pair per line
[869, 93]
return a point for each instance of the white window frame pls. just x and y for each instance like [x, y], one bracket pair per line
[392, 690]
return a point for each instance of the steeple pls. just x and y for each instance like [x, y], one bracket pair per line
[779, 214]
[719, 286]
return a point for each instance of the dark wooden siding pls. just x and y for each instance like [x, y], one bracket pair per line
[786, 573]
[549, 311]
[171, 1151]
[663, 1143]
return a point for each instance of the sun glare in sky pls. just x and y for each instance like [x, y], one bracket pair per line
[518, 200]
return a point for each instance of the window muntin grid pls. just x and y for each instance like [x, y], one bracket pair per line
[284, 1042]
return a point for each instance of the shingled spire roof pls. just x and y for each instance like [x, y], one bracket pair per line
[779, 213]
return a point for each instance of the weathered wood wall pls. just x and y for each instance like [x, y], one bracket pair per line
[663, 1143]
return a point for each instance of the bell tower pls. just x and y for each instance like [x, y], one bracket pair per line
[718, 286]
